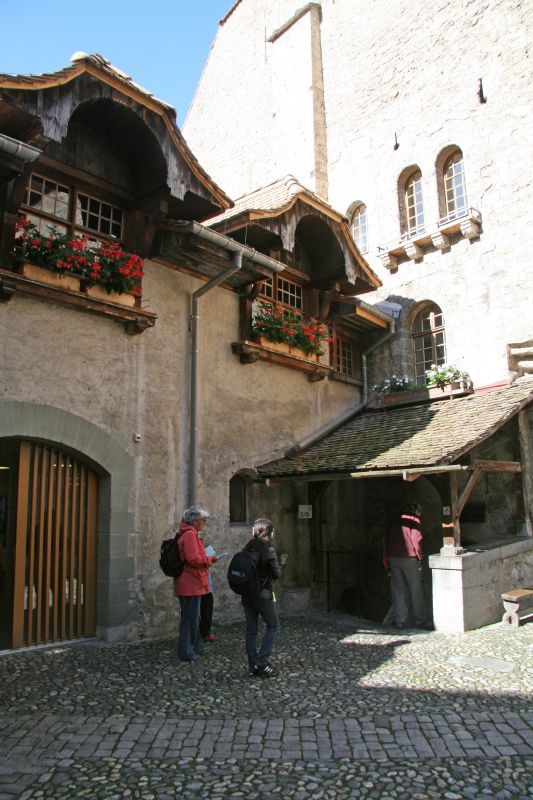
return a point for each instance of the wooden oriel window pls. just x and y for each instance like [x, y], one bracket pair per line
[50, 203]
[344, 355]
[429, 341]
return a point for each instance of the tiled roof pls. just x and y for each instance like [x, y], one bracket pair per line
[275, 197]
[425, 435]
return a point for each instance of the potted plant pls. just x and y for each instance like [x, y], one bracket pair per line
[289, 331]
[60, 259]
[442, 375]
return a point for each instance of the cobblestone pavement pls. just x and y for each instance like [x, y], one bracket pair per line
[356, 711]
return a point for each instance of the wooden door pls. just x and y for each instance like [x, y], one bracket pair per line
[54, 595]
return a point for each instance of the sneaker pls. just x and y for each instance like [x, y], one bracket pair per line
[210, 638]
[267, 671]
[254, 672]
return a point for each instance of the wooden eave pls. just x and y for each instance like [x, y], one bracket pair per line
[240, 219]
[111, 78]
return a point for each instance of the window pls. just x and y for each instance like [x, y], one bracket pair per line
[454, 185]
[283, 291]
[237, 499]
[360, 228]
[344, 356]
[429, 341]
[50, 204]
[414, 206]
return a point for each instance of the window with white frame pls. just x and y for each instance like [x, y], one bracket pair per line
[288, 293]
[414, 204]
[344, 356]
[454, 185]
[429, 341]
[359, 223]
[52, 204]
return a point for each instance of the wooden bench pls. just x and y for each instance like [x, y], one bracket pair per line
[515, 603]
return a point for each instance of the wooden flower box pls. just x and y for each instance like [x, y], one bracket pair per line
[99, 293]
[58, 279]
[286, 349]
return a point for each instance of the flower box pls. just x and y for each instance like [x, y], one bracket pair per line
[423, 394]
[286, 349]
[57, 279]
[122, 299]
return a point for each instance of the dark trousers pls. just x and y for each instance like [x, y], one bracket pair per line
[189, 635]
[255, 607]
[206, 614]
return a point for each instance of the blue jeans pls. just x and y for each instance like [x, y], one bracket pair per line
[189, 643]
[255, 607]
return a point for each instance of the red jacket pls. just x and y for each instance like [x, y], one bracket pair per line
[194, 577]
[405, 538]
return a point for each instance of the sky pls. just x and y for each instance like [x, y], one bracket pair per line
[163, 45]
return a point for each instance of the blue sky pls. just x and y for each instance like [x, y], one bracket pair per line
[163, 45]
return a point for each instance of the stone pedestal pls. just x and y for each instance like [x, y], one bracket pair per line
[467, 586]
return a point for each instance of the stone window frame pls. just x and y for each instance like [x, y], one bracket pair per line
[432, 334]
[358, 215]
[442, 164]
[411, 197]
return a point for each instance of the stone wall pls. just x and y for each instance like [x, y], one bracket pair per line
[409, 76]
[120, 387]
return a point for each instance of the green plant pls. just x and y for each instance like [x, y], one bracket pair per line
[443, 374]
[279, 324]
[103, 264]
[396, 383]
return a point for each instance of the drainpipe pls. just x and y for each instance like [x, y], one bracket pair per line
[195, 351]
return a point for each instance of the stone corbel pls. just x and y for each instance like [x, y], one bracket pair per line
[470, 228]
[389, 261]
[440, 240]
[413, 251]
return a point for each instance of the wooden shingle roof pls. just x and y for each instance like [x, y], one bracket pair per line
[432, 434]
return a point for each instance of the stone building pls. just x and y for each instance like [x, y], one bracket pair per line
[414, 124]
[339, 179]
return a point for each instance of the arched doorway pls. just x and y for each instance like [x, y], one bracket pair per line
[48, 545]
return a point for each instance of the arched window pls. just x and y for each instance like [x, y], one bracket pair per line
[414, 205]
[454, 185]
[429, 341]
[359, 223]
[237, 499]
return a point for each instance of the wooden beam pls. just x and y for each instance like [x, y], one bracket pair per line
[526, 448]
[454, 497]
[467, 491]
[497, 466]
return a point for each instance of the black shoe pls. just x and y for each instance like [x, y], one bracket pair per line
[254, 672]
[267, 671]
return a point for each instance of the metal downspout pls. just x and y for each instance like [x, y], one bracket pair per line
[195, 351]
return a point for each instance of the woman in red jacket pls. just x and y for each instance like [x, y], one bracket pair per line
[193, 581]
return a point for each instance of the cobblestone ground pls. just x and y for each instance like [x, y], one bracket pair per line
[355, 712]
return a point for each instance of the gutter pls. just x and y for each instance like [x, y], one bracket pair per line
[229, 244]
[21, 150]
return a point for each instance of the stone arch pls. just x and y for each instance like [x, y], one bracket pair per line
[106, 453]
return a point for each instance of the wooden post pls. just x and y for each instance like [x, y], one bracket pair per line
[454, 502]
[526, 446]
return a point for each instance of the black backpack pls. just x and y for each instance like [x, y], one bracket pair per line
[243, 577]
[170, 560]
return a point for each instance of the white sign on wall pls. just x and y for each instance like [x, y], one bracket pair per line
[305, 512]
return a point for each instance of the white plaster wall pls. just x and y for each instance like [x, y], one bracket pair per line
[87, 365]
[409, 69]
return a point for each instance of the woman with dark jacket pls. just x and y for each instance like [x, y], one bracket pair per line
[193, 581]
[260, 602]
